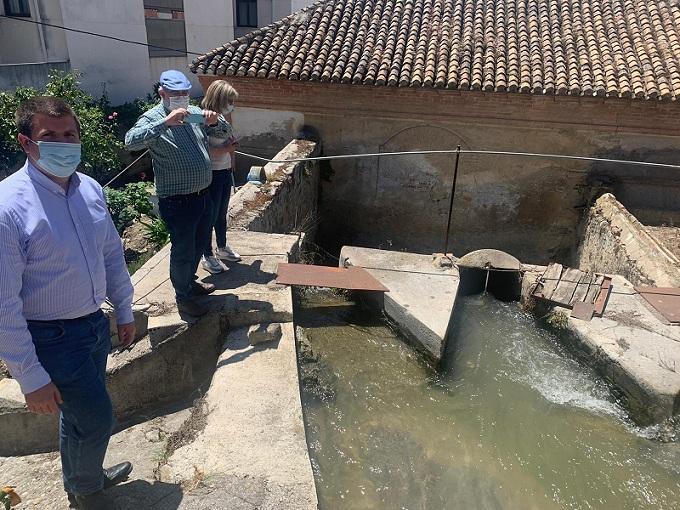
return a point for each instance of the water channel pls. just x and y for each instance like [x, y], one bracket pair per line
[511, 422]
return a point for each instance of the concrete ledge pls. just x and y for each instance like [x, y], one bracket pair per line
[422, 295]
[144, 377]
[614, 241]
[634, 350]
[287, 202]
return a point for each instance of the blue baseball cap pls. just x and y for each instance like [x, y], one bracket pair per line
[174, 80]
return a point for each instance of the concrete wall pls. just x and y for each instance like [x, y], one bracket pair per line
[28, 75]
[119, 68]
[287, 202]
[528, 207]
[262, 133]
[613, 241]
[208, 24]
[24, 43]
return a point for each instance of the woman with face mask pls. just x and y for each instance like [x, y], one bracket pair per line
[220, 97]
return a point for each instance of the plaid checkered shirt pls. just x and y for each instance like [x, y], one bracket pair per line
[181, 162]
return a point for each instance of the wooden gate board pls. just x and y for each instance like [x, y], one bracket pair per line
[665, 300]
[565, 286]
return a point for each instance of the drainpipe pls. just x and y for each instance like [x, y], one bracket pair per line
[37, 5]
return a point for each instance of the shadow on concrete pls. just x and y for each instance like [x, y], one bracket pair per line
[239, 275]
[149, 413]
[149, 496]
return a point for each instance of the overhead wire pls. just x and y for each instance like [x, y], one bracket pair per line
[94, 34]
[461, 151]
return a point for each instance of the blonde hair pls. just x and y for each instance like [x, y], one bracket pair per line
[219, 94]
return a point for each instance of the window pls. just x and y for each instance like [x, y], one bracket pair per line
[246, 13]
[17, 8]
[164, 21]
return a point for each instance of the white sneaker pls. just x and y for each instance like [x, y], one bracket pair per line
[227, 253]
[212, 265]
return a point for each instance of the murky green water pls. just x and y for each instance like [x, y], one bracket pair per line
[512, 423]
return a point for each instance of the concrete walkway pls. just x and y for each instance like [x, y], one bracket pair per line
[421, 297]
[245, 293]
[254, 429]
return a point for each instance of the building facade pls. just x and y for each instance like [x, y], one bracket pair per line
[595, 79]
[179, 29]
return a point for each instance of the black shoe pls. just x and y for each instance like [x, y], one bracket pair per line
[201, 288]
[96, 501]
[112, 476]
[191, 308]
[117, 474]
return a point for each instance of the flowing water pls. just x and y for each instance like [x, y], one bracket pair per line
[512, 422]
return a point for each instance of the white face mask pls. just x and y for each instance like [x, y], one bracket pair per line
[228, 109]
[175, 102]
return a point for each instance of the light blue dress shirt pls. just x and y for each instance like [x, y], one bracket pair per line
[60, 258]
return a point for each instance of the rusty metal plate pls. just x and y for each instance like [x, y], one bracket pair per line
[583, 311]
[603, 297]
[351, 278]
[665, 300]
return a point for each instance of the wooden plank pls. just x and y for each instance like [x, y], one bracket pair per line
[594, 289]
[352, 278]
[582, 288]
[550, 279]
[602, 298]
[565, 290]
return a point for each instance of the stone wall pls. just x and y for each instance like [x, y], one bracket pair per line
[615, 242]
[287, 202]
[530, 208]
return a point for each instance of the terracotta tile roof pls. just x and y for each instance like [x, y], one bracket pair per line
[624, 48]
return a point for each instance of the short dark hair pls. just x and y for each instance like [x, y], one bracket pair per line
[45, 105]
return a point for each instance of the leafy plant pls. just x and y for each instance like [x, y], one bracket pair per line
[558, 320]
[98, 136]
[128, 204]
[10, 150]
[157, 232]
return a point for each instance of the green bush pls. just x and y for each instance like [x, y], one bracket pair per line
[128, 204]
[98, 136]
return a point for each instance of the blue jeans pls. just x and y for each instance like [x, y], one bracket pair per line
[189, 221]
[220, 192]
[74, 353]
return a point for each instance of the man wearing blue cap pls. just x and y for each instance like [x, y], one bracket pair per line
[176, 135]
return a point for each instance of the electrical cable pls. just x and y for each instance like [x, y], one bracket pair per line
[462, 151]
[126, 168]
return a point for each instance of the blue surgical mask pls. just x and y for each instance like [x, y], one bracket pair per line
[59, 159]
[228, 109]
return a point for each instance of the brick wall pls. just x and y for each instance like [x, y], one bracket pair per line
[530, 208]
[648, 117]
